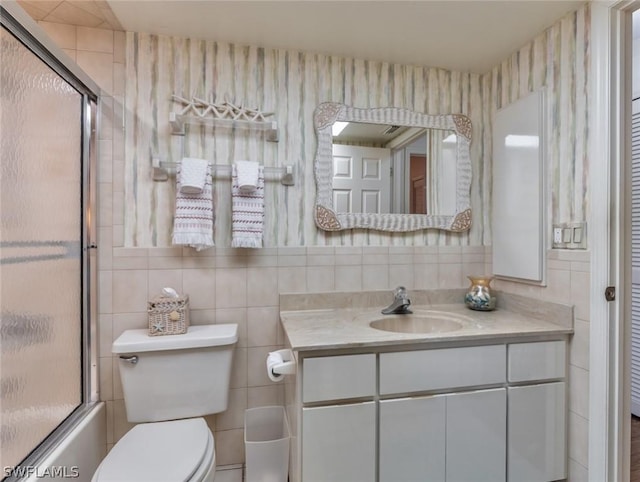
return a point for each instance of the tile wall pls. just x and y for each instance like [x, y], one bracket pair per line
[568, 281]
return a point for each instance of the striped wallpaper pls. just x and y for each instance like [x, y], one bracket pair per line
[558, 61]
[291, 84]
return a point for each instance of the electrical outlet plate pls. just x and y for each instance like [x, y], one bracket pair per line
[569, 236]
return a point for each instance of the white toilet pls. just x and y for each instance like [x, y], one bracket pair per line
[167, 381]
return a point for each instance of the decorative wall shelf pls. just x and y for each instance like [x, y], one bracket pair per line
[178, 123]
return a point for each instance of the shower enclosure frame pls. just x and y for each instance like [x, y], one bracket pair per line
[23, 28]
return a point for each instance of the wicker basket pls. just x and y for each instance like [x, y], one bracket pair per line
[168, 316]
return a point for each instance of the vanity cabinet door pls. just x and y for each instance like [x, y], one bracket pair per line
[476, 436]
[339, 443]
[537, 433]
[412, 439]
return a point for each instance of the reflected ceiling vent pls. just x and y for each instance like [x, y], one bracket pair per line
[390, 130]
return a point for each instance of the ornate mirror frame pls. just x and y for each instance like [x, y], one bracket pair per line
[329, 220]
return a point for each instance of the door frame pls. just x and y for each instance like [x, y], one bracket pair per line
[609, 380]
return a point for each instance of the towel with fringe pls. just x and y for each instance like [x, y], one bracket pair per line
[193, 222]
[247, 212]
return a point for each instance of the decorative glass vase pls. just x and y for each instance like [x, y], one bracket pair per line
[479, 295]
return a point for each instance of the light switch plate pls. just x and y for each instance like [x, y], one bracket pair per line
[569, 236]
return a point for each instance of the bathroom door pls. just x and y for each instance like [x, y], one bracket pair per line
[635, 258]
[361, 179]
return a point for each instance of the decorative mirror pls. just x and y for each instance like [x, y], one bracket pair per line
[391, 169]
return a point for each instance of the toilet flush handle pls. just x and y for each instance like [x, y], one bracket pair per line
[130, 359]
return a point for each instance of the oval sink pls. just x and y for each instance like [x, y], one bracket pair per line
[426, 322]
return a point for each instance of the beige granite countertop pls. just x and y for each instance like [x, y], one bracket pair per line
[325, 321]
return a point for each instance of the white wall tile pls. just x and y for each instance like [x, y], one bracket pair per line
[106, 378]
[579, 439]
[375, 277]
[231, 287]
[105, 336]
[266, 395]
[292, 279]
[577, 473]
[239, 368]
[163, 278]
[200, 285]
[581, 294]
[233, 417]
[128, 321]
[262, 286]
[579, 391]
[262, 326]
[105, 292]
[130, 291]
[348, 278]
[95, 40]
[120, 423]
[237, 316]
[450, 276]
[229, 447]
[579, 345]
[425, 276]
[99, 66]
[63, 35]
[320, 278]
[401, 275]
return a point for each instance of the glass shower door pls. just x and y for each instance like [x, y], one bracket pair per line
[41, 263]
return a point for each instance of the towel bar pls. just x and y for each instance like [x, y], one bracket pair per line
[162, 170]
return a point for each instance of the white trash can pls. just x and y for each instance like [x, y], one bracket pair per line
[266, 441]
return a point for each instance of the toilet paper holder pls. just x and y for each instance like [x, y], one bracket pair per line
[281, 362]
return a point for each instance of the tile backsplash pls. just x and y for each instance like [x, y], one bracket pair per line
[242, 286]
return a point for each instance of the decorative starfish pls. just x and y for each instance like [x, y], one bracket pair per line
[157, 326]
[224, 110]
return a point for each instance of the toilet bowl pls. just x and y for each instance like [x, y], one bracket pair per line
[175, 451]
[169, 384]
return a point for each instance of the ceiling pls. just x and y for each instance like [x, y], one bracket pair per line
[462, 35]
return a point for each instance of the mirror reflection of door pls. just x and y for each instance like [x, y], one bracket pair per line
[361, 179]
[418, 184]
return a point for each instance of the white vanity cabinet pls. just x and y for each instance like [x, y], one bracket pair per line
[458, 436]
[339, 443]
[412, 439]
[537, 449]
[471, 413]
[339, 436]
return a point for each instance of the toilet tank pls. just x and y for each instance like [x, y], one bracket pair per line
[176, 376]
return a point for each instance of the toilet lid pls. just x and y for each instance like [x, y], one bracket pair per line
[159, 451]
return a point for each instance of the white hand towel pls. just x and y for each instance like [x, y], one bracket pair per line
[193, 221]
[193, 175]
[247, 213]
[248, 172]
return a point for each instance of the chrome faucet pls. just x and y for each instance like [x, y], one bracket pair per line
[401, 303]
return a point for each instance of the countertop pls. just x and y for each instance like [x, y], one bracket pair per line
[346, 323]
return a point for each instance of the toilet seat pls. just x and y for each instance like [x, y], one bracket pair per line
[176, 451]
